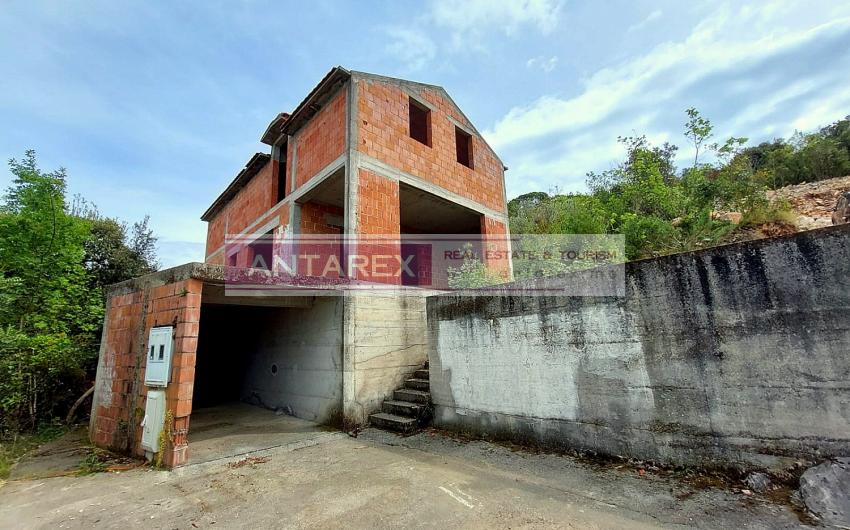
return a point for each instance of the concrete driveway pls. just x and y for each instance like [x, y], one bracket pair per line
[379, 480]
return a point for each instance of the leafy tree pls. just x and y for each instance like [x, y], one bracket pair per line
[51, 316]
[659, 210]
[112, 255]
[55, 259]
[698, 130]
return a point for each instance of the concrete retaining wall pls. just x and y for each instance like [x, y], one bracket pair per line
[733, 356]
[305, 348]
[385, 343]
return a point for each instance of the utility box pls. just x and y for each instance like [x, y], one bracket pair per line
[152, 423]
[160, 345]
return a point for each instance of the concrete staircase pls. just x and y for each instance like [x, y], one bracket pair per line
[410, 407]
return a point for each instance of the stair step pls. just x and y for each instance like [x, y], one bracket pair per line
[393, 422]
[417, 384]
[416, 396]
[422, 374]
[402, 408]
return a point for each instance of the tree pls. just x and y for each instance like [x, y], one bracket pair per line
[114, 255]
[51, 315]
[698, 130]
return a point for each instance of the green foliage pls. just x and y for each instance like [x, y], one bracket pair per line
[660, 210]
[820, 155]
[472, 273]
[94, 462]
[55, 263]
[698, 130]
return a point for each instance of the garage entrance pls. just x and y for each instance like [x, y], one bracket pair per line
[267, 373]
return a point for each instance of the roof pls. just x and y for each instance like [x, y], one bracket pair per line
[254, 165]
[287, 124]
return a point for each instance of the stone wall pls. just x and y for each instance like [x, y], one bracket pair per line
[731, 356]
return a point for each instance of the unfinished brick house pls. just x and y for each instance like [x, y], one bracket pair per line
[362, 154]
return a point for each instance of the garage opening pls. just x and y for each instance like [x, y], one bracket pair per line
[266, 374]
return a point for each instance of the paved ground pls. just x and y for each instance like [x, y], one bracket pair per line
[238, 428]
[378, 480]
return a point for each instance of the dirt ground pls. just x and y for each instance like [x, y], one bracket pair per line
[379, 480]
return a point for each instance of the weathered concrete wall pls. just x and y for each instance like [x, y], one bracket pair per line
[305, 345]
[736, 355]
[385, 343]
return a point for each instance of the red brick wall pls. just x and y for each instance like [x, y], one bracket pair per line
[378, 214]
[384, 134]
[121, 390]
[313, 218]
[377, 204]
[493, 234]
[249, 203]
[322, 140]
[313, 222]
[118, 367]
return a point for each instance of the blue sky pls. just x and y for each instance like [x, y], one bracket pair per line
[153, 107]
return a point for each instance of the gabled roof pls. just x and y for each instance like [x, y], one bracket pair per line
[287, 124]
[257, 162]
[438, 88]
[327, 87]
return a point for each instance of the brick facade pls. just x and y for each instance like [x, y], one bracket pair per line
[316, 139]
[383, 109]
[121, 392]
[322, 140]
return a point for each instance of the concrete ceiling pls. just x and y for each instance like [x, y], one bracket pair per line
[426, 213]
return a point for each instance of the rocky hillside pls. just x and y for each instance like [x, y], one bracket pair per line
[813, 202]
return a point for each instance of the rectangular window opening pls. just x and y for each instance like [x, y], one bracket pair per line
[281, 173]
[463, 144]
[420, 122]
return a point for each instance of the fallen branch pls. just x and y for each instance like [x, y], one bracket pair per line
[79, 402]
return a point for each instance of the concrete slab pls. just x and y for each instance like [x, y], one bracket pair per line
[56, 458]
[380, 480]
[235, 429]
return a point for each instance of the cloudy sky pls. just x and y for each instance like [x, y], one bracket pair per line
[154, 107]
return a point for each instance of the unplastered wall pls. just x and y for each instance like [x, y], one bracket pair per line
[118, 404]
[385, 344]
[305, 344]
[731, 356]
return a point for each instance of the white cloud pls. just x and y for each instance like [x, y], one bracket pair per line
[509, 16]
[543, 63]
[413, 48]
[655, 15]
[468, 23]
[666, 79]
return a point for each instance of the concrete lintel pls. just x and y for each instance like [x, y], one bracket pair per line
[193, 270]
[388, 171]
[462, 127]
[215, 294]
[317, 179]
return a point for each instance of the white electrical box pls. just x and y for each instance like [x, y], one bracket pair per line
[152, 423]
[158, 368]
